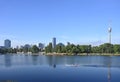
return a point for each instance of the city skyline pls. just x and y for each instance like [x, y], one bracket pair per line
[74, 21]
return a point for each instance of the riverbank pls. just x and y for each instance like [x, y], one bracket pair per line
[85, 54]
[67, 54]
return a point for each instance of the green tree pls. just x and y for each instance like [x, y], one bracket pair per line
[60, 48]
[84, 48]
[25, 49]
[34, 49]
[3, 50]
[116, 48]
[14, 50]
[95, 49]
[69, 48]
[75, 50]
[106, 48]
[48, 48]
[10, 50]
[20, 50]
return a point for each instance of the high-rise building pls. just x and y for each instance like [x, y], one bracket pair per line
[54, 42]
[7, 43]
[41, 46]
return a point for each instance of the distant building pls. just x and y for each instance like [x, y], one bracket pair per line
[61, 44]
[54, 42]
[2, 47]
[7, 43]
[68, 43]
[27, 46]
[41, 46]
[17, 47]
[21, 46]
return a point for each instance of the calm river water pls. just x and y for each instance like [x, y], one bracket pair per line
[27, 68]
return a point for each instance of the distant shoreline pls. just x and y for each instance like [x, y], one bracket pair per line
[84, 54]
[67, 54]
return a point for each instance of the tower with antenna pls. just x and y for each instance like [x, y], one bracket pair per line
[109, 31]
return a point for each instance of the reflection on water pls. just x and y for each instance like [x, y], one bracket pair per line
[66, 66]
[109, 74]
[7, 60]
[88, 61]
[34, 60]
[109, 71]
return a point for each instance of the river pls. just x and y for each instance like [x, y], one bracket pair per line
[42, 68]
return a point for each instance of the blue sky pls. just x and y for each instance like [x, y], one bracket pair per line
[75, 21]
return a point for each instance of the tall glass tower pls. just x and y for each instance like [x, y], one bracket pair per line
[7, 43]
[54, 42]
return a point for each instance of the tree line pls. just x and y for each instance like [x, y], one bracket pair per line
[76, 49]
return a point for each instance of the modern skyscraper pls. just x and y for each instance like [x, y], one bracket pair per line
[54, 42]
[7, 43]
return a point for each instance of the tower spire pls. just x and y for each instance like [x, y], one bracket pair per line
[109, 31]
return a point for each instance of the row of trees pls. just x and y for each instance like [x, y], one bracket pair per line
[8, 50]
[33, 49]
[71, 48]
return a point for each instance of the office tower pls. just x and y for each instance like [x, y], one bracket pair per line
[54, 42]
[7, 43]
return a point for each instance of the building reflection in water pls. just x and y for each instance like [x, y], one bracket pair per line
[54, 66]
[109, 70]
[51, 60]
[7, 60]
[34, 60]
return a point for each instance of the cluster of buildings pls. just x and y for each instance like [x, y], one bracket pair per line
[7, 44]
[41, 46]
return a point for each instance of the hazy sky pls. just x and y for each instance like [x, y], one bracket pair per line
[75, 21]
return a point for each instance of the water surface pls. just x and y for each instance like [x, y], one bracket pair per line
[27, 68]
